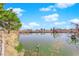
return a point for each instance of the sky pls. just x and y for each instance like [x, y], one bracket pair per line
[46, 15]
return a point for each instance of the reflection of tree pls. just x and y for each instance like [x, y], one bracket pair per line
[73, 38]
[54, 32]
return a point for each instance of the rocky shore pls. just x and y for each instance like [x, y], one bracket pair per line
[10, 42]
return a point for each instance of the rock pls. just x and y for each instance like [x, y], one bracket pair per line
[10, 42]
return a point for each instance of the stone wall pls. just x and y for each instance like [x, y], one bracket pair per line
[10, 42]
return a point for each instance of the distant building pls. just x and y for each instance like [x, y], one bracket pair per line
[29, 30]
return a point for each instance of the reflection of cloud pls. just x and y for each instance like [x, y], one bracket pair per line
[75, 21]
[30, 25]
[18, 11]
[64, 5]
[51, 17]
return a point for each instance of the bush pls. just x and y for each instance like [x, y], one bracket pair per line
[20, 47]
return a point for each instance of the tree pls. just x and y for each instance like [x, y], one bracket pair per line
[1, 6]
[9, 20]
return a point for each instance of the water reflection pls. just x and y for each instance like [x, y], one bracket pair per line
[49, 44]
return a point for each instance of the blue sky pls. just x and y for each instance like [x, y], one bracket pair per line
[46, 15]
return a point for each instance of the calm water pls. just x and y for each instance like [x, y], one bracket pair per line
[49, 44]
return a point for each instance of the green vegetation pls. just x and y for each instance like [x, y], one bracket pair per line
[9, 20]
[1, 6]
[20, 47]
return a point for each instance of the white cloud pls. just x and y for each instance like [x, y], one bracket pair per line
[68, 27]
[52, 17]
[64, 5]
[59, 23]
[76, 21]
[18, 11]
[25, 26]
[45, 9]
[30, 25]
[57, 5]
[33, 24]
[49, 8]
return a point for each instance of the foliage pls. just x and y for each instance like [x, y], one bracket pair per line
[20, 47]
[1, 6]
[9, 20]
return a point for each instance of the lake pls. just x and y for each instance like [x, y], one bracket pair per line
[48, 44]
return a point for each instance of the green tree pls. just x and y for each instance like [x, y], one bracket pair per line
[9, 20]
[1, 6]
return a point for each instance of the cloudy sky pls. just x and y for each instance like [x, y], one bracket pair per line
[46, 15]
